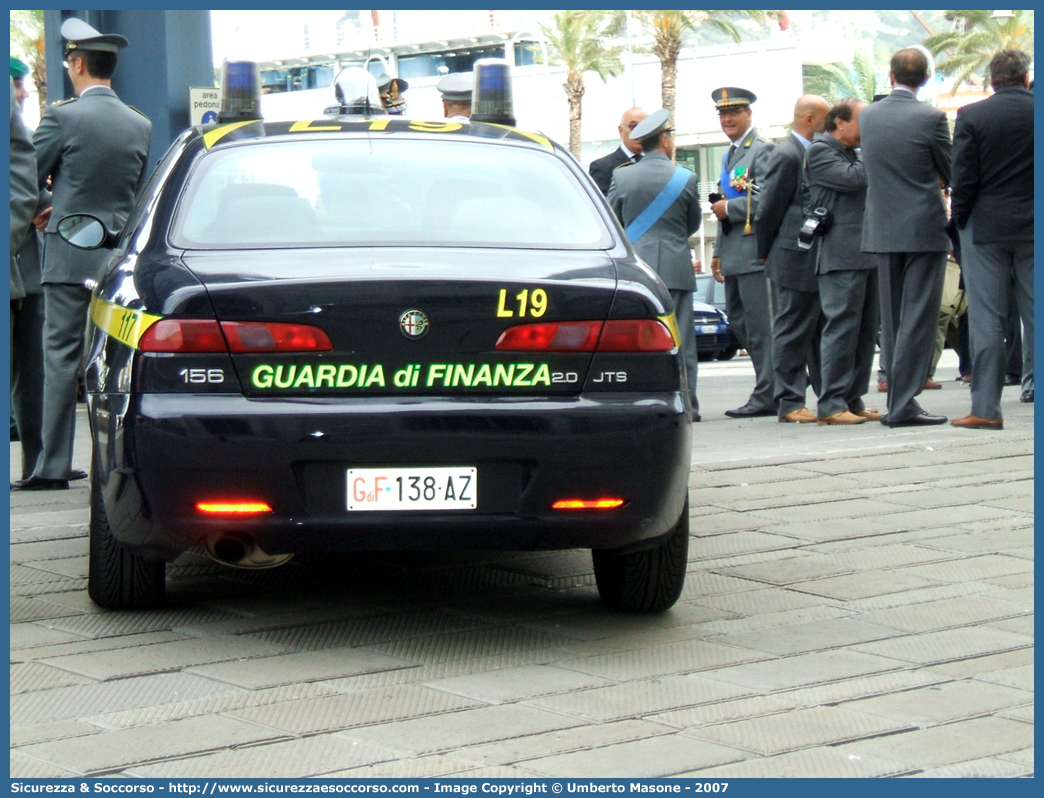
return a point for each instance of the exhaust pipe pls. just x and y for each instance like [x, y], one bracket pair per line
[241, 551]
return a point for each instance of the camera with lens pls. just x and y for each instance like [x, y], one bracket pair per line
[816, 224]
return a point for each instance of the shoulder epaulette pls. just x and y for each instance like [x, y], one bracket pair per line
[622, 165]
[137, 110]
[65, 102]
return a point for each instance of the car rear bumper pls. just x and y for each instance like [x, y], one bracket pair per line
[159, 454]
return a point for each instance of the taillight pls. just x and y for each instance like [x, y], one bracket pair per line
[630, 335]
[562, 336]
[255, 336]
[183, 335]
[636, 335]
[207, 335]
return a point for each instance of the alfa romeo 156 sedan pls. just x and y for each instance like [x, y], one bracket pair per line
[374, 334]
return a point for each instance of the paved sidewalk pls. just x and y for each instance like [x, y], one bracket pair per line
[859, 603]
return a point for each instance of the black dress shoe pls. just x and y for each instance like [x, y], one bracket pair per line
[14, 434]
[40, 483]
[1027, 396]
[77, 473]
[922, 419]
[750, 411]
[1012, 379]
[696, 417]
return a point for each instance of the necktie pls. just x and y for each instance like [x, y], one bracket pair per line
[732, 152]
[637, 157]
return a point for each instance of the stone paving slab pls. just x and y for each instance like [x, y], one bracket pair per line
[783, 732]
[456, 730]
[561, 741]
[819, 763]
[666, 755]
[311, 756]
[99, 753]
[948, 744]
[861, 596]
[943, 703]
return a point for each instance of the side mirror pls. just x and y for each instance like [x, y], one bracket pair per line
[85, 231]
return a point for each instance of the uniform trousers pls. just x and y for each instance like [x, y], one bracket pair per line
[992, 274]
[27, 376]
[796, 329]
[911, 294]
[750, 318]
[65, 324]
[687, 330]
[850, 323]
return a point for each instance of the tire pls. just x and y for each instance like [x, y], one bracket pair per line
[647, 580]
[119, 579]
[704, 357]
[729, 352]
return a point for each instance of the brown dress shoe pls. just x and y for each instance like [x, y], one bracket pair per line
[932, 385]
[844, 417]
[972, 421]
[800, 416]
[882, 387]
[869, 413]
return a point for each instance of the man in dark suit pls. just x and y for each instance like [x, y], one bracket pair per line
[658, 203]
[992, 206]
[629, 151]
[735, 262]
[847, 277]
[93, 149]
[791, 268]
[906, 149]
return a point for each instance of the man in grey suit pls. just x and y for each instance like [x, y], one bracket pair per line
[93, 149]
[735, 262]
[992, 206]
[658, 203]
[906, 149]
[847, 277]
[27, 317]
[791, 268]
[23, 190]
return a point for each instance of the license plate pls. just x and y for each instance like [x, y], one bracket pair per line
[380, 489]
[710, 329]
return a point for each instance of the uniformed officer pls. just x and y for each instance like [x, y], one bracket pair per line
[391, 90]
[456, 95]
[658, 203]
[27, 317]
[94, 150]
[735, 262]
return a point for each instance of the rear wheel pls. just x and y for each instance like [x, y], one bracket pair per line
[648, 580]
[119, 579]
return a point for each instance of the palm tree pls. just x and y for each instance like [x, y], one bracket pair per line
[578, 40]
[976, 36]
[669, 28]
[834, 81]
[27, 35]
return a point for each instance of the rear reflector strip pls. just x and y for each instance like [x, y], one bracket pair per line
[587, 504]
[626, 335]
[233, 508]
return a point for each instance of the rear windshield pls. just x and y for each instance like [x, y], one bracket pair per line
[349, 192]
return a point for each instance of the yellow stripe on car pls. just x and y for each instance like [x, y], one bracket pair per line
[671, 322]
[124, 324]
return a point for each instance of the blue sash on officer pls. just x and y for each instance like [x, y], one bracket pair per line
[727, 189]
[640, 225]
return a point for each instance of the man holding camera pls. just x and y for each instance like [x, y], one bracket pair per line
[847, 277]
[790, 264]
[735, 262]
[906, 149]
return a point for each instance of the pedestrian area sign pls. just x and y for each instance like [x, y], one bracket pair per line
[204, 104]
